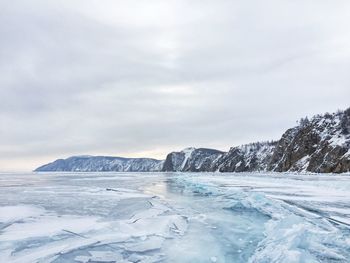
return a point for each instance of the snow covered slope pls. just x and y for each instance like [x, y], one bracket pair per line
[102, 163]
[249, 157]
[191, 159]
[320, 145]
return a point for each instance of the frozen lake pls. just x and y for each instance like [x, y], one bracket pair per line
[157, 217]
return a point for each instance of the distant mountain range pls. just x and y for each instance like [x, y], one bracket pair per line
[320, 145]
[102, 164]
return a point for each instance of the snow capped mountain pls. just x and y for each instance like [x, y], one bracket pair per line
[320, 145]
[102, 163]
[191, 160]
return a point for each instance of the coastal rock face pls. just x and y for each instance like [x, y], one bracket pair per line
[245, 158]
[102, 164]
[321, 145]
[191, 160]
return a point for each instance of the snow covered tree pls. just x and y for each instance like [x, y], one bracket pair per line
[304, 122]
[345, 122]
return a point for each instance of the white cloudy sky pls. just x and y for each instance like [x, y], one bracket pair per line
[144, 77]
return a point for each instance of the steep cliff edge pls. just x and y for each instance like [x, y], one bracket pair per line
[191, 160]
[245, 158]
[320, 145]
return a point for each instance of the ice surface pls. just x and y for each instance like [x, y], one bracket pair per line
[13, 213]
[173, 217]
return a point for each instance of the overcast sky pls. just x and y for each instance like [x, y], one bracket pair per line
[143, 78]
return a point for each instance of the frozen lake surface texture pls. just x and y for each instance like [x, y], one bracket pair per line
[156, 217]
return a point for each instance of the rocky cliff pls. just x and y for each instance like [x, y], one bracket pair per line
[321, 145]
[191, 160]
[245, 158]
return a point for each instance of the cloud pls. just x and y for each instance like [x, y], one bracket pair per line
[132, 78]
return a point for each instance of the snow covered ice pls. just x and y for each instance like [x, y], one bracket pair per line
[174, 217]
